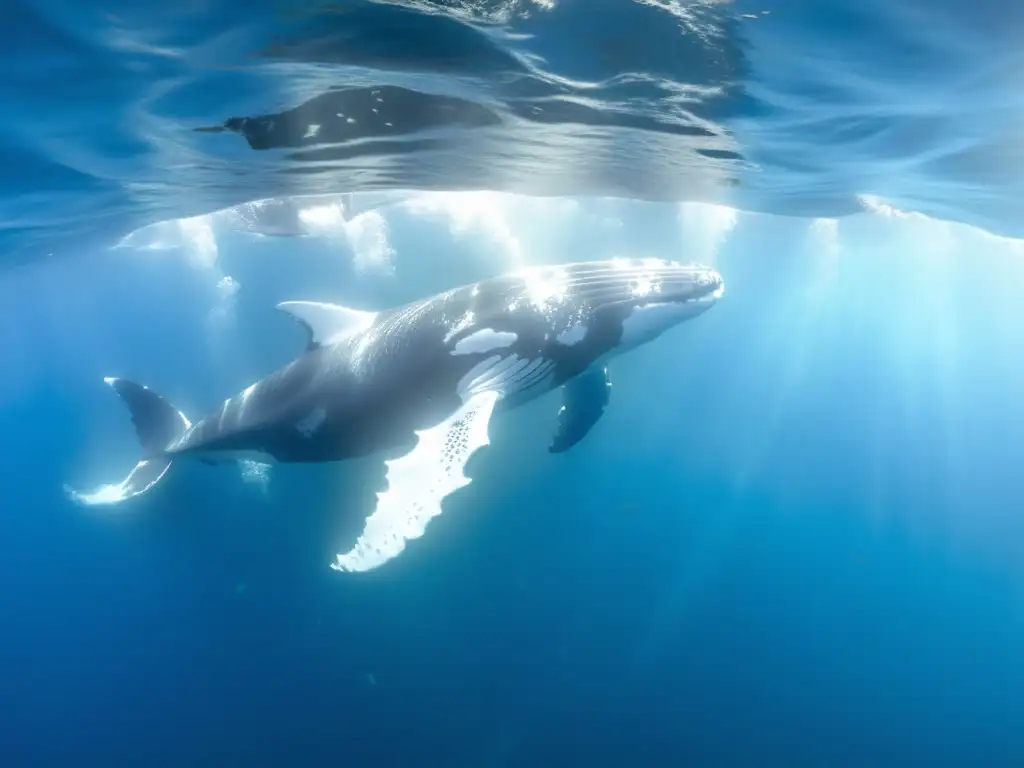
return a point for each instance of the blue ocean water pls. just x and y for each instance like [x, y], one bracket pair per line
[795, 537]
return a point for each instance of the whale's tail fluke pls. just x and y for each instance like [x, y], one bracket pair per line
[157, 424]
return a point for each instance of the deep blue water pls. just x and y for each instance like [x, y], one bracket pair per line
[796, 536]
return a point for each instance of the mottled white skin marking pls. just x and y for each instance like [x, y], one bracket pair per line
[572, 336]
[417, 484]
[311, 423]
[484, 340]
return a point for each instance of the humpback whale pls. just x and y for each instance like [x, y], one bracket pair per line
[425, 378]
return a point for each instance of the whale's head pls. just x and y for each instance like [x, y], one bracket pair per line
[608, 307]
[636, 300]
[652, 296]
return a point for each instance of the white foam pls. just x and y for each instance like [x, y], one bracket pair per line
[255, 473]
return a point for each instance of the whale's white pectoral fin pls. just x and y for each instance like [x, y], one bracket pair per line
[418, 482]
[327, 322]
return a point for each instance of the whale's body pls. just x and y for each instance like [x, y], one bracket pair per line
[427, 376]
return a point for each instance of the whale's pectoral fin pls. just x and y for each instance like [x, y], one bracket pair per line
[325, 323]
[584, 399]
[418, 482]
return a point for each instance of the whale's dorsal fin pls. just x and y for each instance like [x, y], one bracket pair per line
[327, 323]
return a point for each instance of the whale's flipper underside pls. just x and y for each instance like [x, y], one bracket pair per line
[584, 399]
[418, 482]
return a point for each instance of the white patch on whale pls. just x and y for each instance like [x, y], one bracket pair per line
[312, 422]
[647, 321]
[469, 384]
[511, 376]
[484, 340]
[499, 375]
[573, 335]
